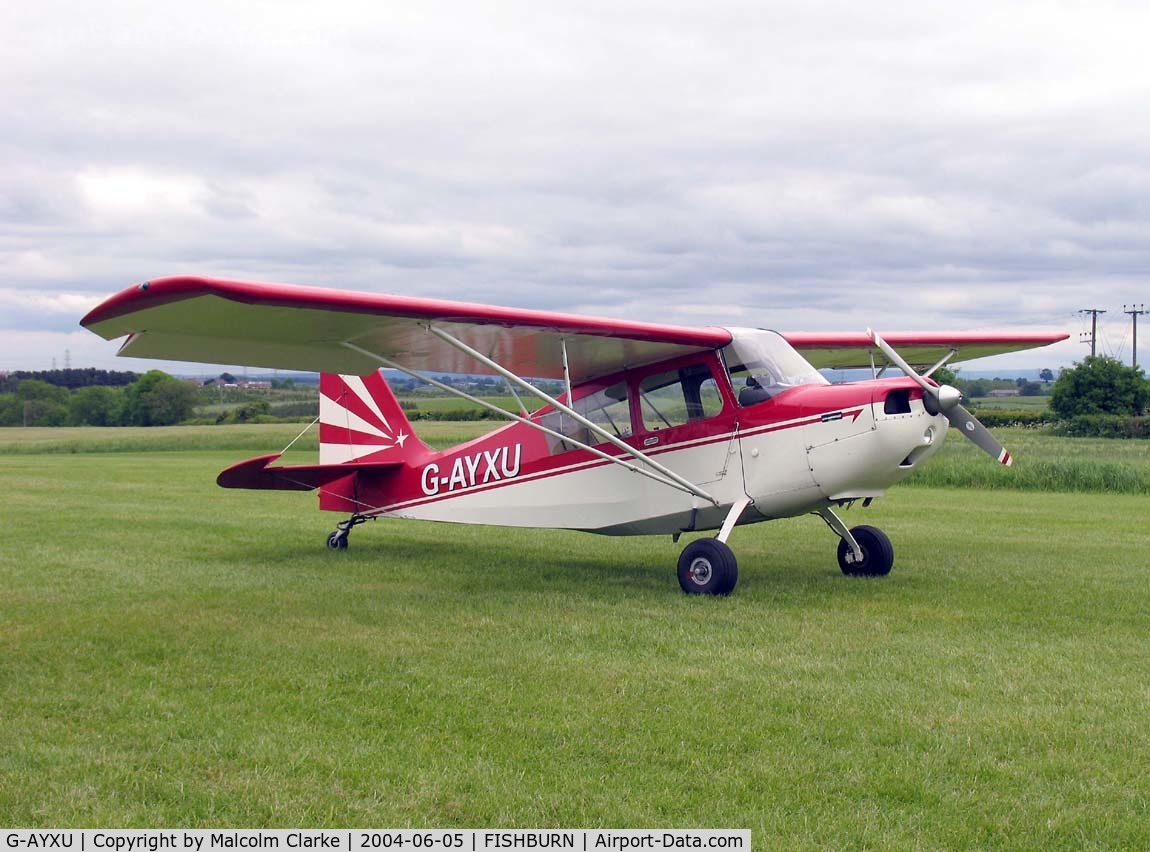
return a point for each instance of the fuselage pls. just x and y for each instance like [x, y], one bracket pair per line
[752, 420]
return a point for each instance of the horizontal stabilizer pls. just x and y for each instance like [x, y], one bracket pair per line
[256, 474]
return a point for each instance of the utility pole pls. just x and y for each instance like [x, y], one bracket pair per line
[1135, 312]
[1093, 341]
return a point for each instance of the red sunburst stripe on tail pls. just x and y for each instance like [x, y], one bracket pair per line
[330, 433]
[350, 394]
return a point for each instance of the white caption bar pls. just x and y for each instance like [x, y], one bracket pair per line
[371, 839]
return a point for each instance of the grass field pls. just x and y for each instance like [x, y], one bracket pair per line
[1013, 403]
[432, 404]
[173, 654]
[1043, 463]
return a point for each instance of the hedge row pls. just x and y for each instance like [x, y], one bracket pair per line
[1103, 426]
[1001, 417]
[1087, 426]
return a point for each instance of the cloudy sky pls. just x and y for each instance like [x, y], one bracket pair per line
[807, 165]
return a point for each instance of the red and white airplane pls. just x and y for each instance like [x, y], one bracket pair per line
[662, 429]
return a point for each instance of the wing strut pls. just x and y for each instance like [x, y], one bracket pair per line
[572, 413]
[942, 362]
[673, 481]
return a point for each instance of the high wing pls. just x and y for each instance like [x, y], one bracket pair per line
[290, 327]
[285, 326]
[850, 350]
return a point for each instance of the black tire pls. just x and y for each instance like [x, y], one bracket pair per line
[337, 540]
[878, 553]
[708, 567]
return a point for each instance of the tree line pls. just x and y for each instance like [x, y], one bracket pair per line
[153, 399]
[81, 377]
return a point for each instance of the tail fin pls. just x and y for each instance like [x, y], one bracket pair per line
[361, 420]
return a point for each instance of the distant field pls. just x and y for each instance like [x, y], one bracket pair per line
[254, 437]
[433, 404]
[175, 654]
[1013, 403]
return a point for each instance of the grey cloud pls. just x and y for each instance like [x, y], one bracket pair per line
[814, 163]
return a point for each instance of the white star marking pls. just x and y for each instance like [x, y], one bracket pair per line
[399, 439]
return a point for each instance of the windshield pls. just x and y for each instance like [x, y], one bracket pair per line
[762, 364]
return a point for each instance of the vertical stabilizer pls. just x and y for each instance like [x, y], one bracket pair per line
[360, 421]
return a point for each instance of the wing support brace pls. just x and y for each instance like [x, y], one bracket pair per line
[672, 479]
[570, 412]
[942, 361]
[840, 529]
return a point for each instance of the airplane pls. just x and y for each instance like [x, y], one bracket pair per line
[659, 430]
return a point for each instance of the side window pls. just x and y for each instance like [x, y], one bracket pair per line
[753, 386]
[678, 397]
[608, 409]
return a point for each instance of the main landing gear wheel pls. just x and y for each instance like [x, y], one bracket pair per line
[337, 540]
[708, 567]
[878, 553]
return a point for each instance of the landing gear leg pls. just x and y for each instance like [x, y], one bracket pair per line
[338, 539]
[864, 551]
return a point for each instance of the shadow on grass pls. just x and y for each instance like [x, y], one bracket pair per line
[484, 560]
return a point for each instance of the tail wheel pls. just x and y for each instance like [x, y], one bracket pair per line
[708, 567]
[337, 540]
[878, 553]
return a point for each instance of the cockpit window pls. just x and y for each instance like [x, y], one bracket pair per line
[679, 396]
[762, 365]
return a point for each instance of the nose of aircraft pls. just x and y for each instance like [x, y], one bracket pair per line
[947, 401]
[879, 449]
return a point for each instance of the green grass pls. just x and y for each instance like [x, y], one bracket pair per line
[435, 404]
[176, 654]
[1012, 403]
[1042, 463]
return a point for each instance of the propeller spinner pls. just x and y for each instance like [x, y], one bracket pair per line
[947, 400]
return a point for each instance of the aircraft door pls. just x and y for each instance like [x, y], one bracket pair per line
[688, 425]
[763, 368]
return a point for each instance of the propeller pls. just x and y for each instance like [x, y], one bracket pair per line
[947, 400]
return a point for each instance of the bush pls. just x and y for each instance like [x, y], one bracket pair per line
[157, 399]
[249, 412]
[1100, 385]
[309, 410]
